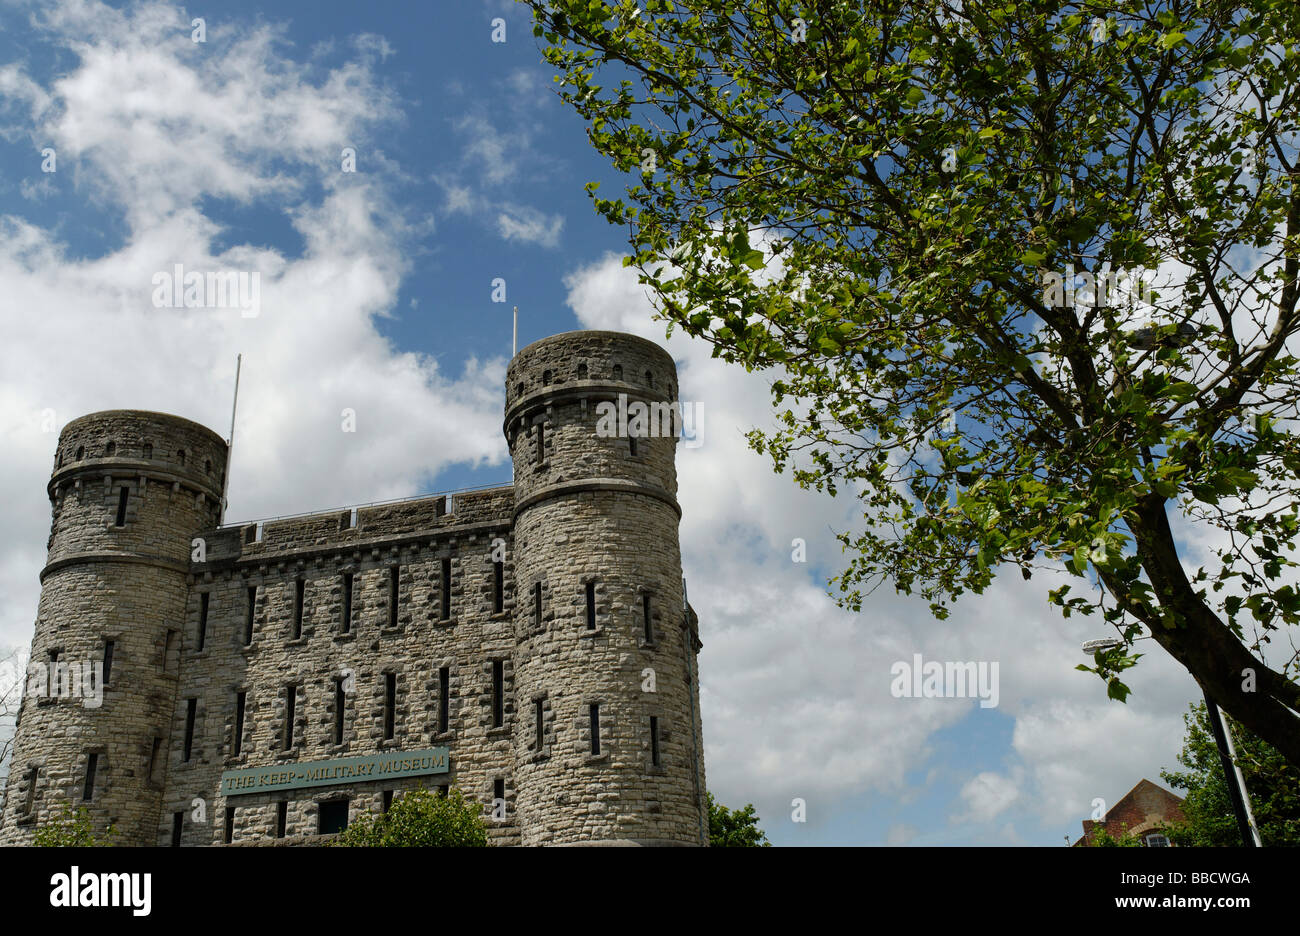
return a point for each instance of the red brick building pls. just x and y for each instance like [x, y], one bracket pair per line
[1143, 811]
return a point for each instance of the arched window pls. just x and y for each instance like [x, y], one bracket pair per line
[180, 456]
[110, 450]
[582, 371]
[618, 371]
[519, 389]
[546, 378]
[650, 380]
[81, 452]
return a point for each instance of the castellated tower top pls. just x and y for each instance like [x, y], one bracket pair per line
[153, 441]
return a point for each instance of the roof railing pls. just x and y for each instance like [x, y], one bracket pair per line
[380, 503]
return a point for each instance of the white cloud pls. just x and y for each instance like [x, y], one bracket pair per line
[987, 795]
[530, 226]
[156, 125]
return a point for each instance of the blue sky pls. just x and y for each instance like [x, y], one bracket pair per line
[376, 297]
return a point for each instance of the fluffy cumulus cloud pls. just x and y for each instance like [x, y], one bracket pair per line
[153, 128]
[796, 691]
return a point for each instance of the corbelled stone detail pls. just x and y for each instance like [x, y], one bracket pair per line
[213, 626]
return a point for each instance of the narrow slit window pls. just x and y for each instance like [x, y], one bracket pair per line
[541, 442]
[387, 802]
[252, 611]
[88, 791]
[122, 496]
[392, 596]
[539, 722]
[390, 705]
[537, 604]
[109, 647]
[498, 792]
[340, 708]
[154, 758]
[347, 602]
[631, 445]
[172, 652]
[299, 593]
[445, 611]
[498, 693]
[498, 586]
[56, 676]
[180, 456]
[203, 621]
[594, 716]
[444, 698]
[237, 742]
[230, 825]
[648, 617]
[281, 818]
[654, 741]
[591, 606]
[33, 774]
[191, 710]
[290, 703]
[178, 823]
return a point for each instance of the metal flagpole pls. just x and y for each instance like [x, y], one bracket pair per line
[514, 340]
[230, 445]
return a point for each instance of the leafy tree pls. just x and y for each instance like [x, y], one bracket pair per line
[734, 828]
[1272, 783]
[887, 206]
[71, 829]
[421, 819]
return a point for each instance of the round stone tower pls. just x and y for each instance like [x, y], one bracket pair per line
[130, 490]
[607, 737]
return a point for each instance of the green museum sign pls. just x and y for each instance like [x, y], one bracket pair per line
[330, 772]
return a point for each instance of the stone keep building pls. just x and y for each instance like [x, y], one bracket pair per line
[529, 644]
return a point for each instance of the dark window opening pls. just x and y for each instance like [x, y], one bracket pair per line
[541, 442]
[539, 721]
[648, 617]
[333, 817]
[191, 710]
[444, 698]
[537, 604]
[498, 586]
[203, 620]
[498, 792]
[654, 741]
[172, 652]
[546, 378]
[207, 465]
[33, 774]
[180, 456]
[148, 450]
[252, 610]
[299, 593]
[650, 380]
[594, 714]
[392, 596]
[388, 801]
[443, 790]
[347, 602]
[281, 818]
[81, 451]
[229, 836]
[390, 705]
[110, 449]
[498, 693]
[618, 371]
[56, 676]
[178, 823]
[237, 743]
[88, 791]
[582, 371]
[155, 761]
[340, 708]
[109, 646]
[290, 702]
[445, 611]
[591, 606]
[631, 445]
[122, 496]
